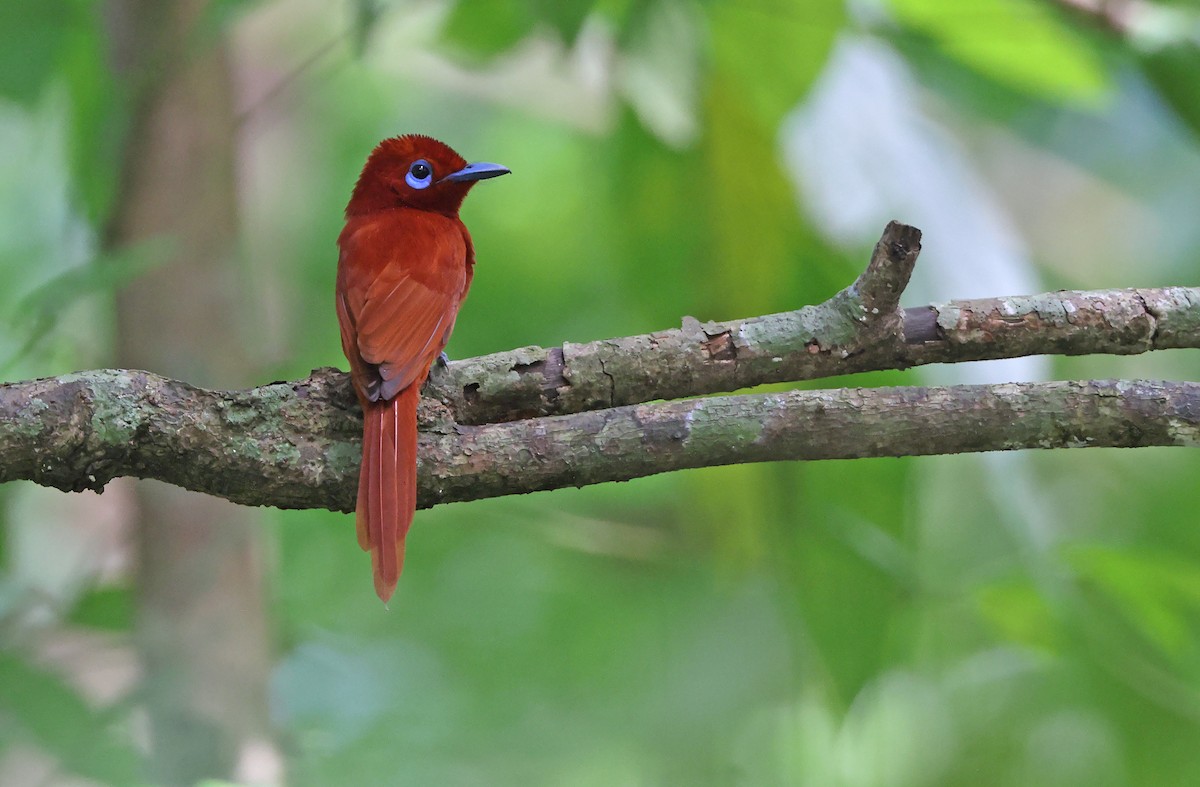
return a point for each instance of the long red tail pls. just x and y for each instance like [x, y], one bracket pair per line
[387, 485]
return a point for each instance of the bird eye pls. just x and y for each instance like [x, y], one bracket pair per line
[420, 174]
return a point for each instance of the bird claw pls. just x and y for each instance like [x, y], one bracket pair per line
[439, 366]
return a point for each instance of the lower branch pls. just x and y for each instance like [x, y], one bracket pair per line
[640, 440]
[296, 445]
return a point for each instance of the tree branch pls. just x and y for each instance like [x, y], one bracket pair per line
[639, 440]
[861, 329]
[296, 444]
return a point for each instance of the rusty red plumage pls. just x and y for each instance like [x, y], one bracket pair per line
[405, 265]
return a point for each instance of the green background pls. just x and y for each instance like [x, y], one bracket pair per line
[1013, 619]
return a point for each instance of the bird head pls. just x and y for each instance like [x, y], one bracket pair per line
[419, 172]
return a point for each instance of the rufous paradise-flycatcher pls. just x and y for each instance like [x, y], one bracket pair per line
[405, 265]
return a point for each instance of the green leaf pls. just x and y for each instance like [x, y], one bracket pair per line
[1155, 594]
[625, 16]
[36, 314]
[1175, 71]
[565, 17]
[33, 36]
[488, 27]
[1020, 43]
[50, 713]
[769, 52]
[366, 16]
[1020, 613]
[99, 115]
[62, 44]
[752, 218]
[109, 608]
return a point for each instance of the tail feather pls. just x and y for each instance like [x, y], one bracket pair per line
[387, 488]
[362, 520]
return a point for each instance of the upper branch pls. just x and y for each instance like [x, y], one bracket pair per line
[860, 329]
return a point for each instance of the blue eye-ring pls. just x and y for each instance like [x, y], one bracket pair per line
[420, 174]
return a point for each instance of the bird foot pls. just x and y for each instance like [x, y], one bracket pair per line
[439, 366]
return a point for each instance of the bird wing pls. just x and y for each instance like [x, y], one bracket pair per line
[400, 286]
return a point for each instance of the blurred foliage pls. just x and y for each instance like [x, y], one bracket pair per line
[59, 46]
[1020, 43]
[40, 707]
[490, 27]
[1172, 70]
[997, 620]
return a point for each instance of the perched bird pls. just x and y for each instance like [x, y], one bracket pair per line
[405, 264]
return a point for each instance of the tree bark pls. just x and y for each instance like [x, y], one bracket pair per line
[201, 626]
[808, 344]
[297, 445]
